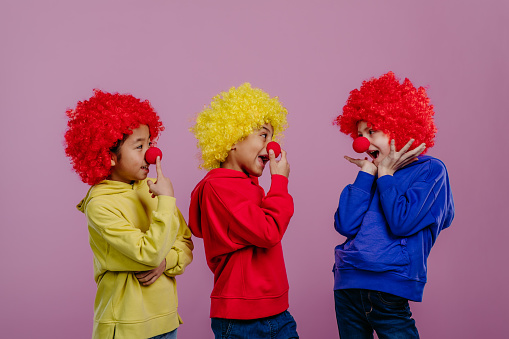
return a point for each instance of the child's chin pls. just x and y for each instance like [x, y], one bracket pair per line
[377, 161]
[256, 173]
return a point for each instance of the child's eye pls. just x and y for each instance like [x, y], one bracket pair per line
[264, 135]
[371, 131]
[140, 147]
[149, 144]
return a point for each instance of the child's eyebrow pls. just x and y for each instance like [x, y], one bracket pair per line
[265, 128]
[367, 128]
[138, 140]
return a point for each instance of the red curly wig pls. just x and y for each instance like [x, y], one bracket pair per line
[99, 124]
[399, 110]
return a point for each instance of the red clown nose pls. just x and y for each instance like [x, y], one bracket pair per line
[275, 147]
[360, 144]
[152, 154]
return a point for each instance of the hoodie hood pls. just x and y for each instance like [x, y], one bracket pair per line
[196, 195]
[420, 160]
[108, 187]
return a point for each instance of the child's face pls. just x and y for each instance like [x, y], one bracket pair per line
[130, 164]
[250, 155]
[379, 146]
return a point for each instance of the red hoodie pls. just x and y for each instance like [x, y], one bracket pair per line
[242, 231]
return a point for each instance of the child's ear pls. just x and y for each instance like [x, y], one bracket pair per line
[113, 159]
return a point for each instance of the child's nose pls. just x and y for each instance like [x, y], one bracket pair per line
[152, 153]
[361, 144]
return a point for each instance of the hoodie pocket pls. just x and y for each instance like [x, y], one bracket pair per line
[374, 248]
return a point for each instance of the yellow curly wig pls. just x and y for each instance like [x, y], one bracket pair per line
[231, 117]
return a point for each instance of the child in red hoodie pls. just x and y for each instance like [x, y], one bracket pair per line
[242, 227]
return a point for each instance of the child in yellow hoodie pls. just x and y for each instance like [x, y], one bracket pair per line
[139, 239]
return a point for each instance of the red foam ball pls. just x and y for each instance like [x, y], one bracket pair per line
[152, 154]
[360, 144]
[275, 147]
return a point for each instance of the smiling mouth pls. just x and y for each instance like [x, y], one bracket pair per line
[373, 154]
[144, 167]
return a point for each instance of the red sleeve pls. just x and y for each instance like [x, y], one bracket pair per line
[250, 222]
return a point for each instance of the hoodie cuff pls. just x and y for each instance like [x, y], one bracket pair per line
[384, 183]
[171, 259]
[364, 181]
[166, 204]
[279, 183]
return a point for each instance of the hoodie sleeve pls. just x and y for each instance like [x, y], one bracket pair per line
[353, 204]
[409, 210]
[181, 254]
[130, 248]
[262, 225]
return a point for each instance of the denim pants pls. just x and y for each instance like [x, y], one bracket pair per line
[168, 335]
[279, 326]
[359, 312]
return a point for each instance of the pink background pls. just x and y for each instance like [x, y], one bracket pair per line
[178, 55]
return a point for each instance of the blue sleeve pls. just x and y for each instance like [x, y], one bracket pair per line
[409, 210]
[353, 204]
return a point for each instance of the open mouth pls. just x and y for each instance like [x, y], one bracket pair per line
[264, 158]
[144, 167]
[373, 154]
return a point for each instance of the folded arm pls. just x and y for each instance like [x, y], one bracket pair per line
[262, 225]
[136, 250]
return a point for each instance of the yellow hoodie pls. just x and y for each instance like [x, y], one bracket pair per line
[131, 231]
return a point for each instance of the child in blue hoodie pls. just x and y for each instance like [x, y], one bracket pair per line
[393, 212]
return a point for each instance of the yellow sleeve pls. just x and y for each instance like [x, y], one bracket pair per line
[181, 254]
[130, 249]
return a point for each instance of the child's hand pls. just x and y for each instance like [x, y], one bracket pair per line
[279, 167]
[163, 185]
[149, 277]
[364, 164]
[396, 160]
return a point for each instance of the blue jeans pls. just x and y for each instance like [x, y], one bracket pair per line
[279, 326]
[359, 312]
[168, 335]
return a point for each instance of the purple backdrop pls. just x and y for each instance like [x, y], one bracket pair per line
[311, 54]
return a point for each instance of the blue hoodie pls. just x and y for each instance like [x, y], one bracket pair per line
[390, 224]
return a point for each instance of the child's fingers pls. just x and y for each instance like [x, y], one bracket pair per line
[159, 169]
[150, 183]
[349, 159]
[283, 154]
[272, 155]
[415, 152]
[145, 280]
[393, 146]
[150, 281]
[142, 275]
[420, 149]
[352, 160]
[407, 146]
[357, 162]
[412, 155]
